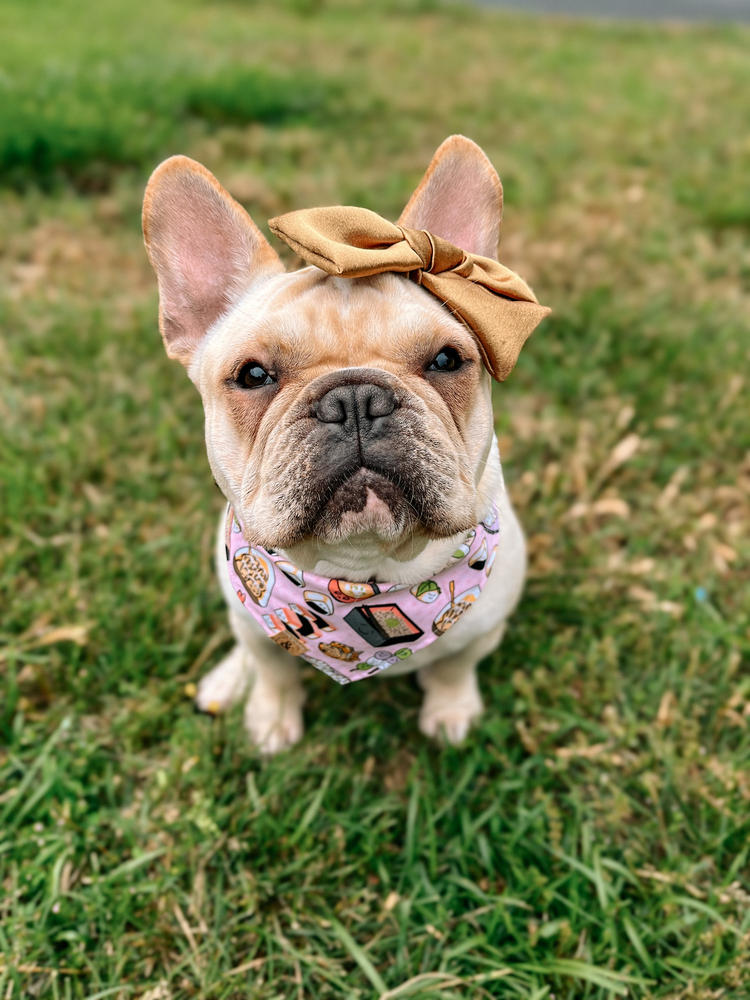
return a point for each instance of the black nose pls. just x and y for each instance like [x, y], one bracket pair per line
[358, 405]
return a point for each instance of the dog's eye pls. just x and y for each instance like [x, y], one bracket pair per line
[253, 376]
[447, 359]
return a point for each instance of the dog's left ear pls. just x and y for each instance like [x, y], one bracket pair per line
[205, 249]
[459, 198]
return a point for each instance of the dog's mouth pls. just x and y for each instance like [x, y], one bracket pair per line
[361, 500]
[401, 484]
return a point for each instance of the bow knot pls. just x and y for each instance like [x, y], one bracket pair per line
[491, 300]
[435, 254]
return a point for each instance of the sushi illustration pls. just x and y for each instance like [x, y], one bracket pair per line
[339, 651]
[256, 572]
[291, 572]
[302, 622]
[347, 592]
[319, 602]
[452, 611]
[427, 591]
[478, 560]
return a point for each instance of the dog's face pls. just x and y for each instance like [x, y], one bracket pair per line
[327, 412]
[334, 406]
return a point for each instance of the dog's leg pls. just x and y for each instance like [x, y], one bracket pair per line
[273, 713]
[227, 683]
[452, 700]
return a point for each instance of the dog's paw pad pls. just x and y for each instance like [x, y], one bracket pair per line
[274, 725]
[273, 736]
[449, 723]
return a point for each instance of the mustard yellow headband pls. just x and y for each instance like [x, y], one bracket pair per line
[494, 302]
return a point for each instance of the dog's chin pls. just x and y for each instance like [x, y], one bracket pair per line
[365, 503]
[362, 503]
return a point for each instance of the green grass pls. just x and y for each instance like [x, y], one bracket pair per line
[53, 132]
[98, 106]
[591, 840]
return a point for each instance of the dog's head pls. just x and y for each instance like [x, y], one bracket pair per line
[334, 406]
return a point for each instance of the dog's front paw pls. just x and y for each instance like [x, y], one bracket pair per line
[447, 717]
[273, 718]
[224, 685]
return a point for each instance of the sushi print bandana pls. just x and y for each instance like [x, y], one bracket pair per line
[354, 630]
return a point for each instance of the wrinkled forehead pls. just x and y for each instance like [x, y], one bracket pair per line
[318, 319]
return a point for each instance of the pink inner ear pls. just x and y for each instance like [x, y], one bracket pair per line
[460, 198]
[204, 247]
[195, 248]
[461, 219]
[204, 268]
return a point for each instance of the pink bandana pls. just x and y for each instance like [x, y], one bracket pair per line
[354, 630]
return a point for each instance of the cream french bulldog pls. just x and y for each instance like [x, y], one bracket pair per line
[348, 423]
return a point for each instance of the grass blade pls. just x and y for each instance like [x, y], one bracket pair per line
[359, 956]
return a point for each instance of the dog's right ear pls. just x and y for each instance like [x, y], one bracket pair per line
[204, 247]
[459, 198]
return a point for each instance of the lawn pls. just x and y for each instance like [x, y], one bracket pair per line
[592, 838]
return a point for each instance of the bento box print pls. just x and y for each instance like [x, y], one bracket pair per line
[382, 624]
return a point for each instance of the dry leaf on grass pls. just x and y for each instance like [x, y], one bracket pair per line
[604, 507]
[391, 901]
[723, 555]
[622, 452]
[649, 601]
[65, 633]
[670, 492]
[665, 714]
[592, 750]
[159, 992]
[611, 505]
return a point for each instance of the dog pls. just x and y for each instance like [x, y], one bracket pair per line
[349, 424]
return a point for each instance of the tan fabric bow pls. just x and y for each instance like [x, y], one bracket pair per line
[496, 305]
